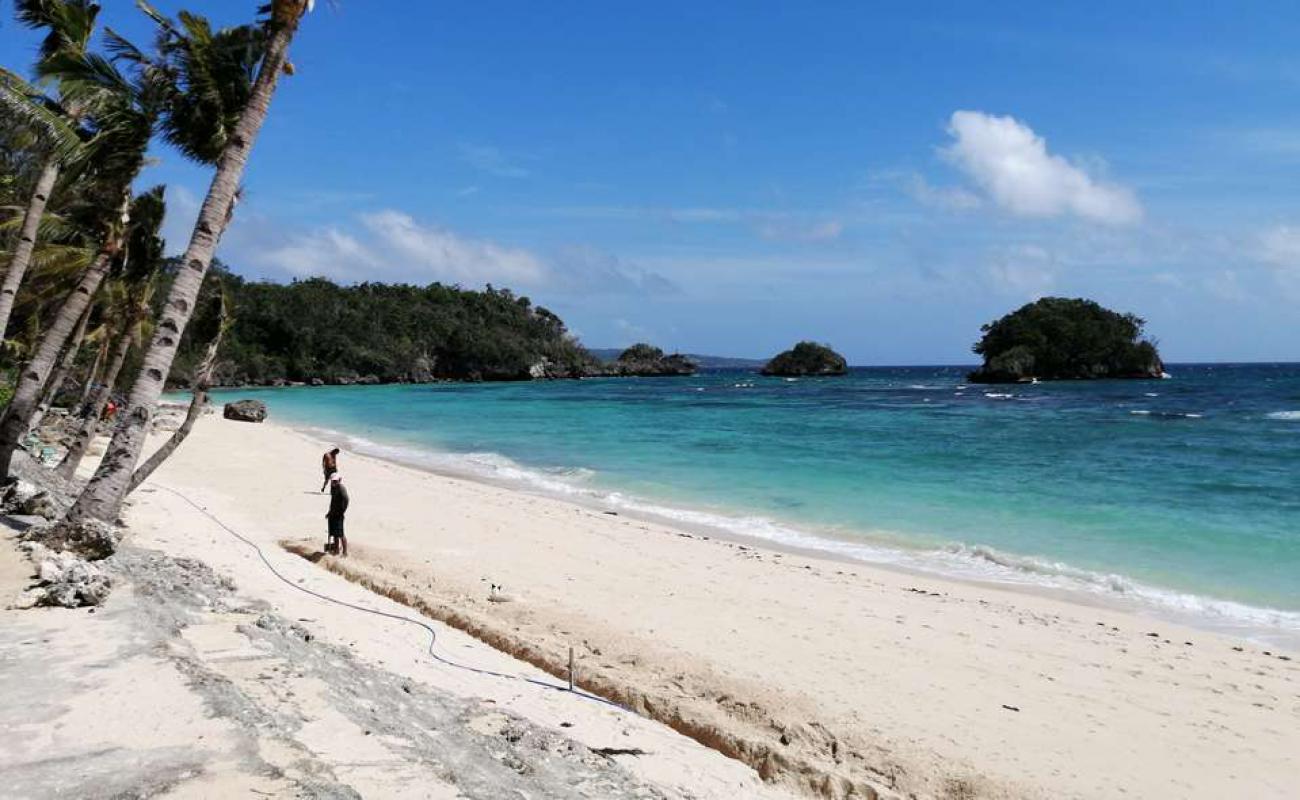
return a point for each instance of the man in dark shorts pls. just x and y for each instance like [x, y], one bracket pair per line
[338, 540]
[329, 464]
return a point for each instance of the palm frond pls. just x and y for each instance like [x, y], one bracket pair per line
[42, 115]
[70, 23]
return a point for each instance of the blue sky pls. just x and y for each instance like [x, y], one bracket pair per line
[730, 177]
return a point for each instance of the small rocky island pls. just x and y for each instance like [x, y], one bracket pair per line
[1058, 338]
[645, 361]
[806, 359]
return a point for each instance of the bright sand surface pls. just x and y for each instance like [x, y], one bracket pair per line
[819, 674]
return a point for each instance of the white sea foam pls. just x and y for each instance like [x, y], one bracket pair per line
[999, 395]
[1293, 416]
[963, 561]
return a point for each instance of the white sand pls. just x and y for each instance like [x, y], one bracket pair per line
[820, 674]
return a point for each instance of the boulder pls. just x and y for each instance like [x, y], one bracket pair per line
[28, 499]
[245, 411]
[316, 382]
[66, 580]
[89, 539]
[368, 380]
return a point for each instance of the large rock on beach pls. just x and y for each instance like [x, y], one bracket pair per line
[245, 411]
[23, 498]
[65, 579]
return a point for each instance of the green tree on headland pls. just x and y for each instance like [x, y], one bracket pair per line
[1059, 338]
[317, 331]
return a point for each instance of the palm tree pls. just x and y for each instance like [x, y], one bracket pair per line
[201, 381]
[60, 374]
[70, 24]
[124, 114]
[103, 495]
[142, 260]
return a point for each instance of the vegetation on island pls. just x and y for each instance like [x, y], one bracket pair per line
[1059, 338]
[315, 331]
[805, 359]
[84, 294]
[647, 361]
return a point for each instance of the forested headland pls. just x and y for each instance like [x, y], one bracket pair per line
[316, 331]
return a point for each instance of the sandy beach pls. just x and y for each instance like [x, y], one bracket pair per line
[782, 674]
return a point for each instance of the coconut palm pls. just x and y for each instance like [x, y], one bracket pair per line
[60, 374]
[123, 113]
[69, 25]
[103, 495]
[201, 381]
[142, 262]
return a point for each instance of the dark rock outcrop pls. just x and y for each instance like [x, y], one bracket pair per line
[1059, 338]
[644, 361]
[806, 359]
[245, 411]
[421, 370]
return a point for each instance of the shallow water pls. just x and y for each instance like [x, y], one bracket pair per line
[1183, 494]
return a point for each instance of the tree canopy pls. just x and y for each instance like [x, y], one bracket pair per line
[1058, 338]
[317, 330]
[807, 358]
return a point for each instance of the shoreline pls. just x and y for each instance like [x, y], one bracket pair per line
[1031, 575]
[815, 673]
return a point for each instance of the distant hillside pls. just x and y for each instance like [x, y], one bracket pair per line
[703, 361]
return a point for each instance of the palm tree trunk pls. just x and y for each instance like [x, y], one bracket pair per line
[60, 374]
[22, 257]
[31, 379]
[103, 494]
[90, 425]
[202, 380]
[94, 377]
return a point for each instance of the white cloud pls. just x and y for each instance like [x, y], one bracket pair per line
[1023, 271]
[451, 257]
[391, 245]
[1012, 165]
[1279, 247]
[951, 198]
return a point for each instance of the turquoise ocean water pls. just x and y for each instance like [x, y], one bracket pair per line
[1181, 496]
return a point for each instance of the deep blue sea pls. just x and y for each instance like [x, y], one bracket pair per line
[1181, 495]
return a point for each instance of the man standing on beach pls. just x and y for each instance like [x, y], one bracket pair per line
[338, 508]
[329, 464]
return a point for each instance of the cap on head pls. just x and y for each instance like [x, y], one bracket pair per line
[336, 478]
